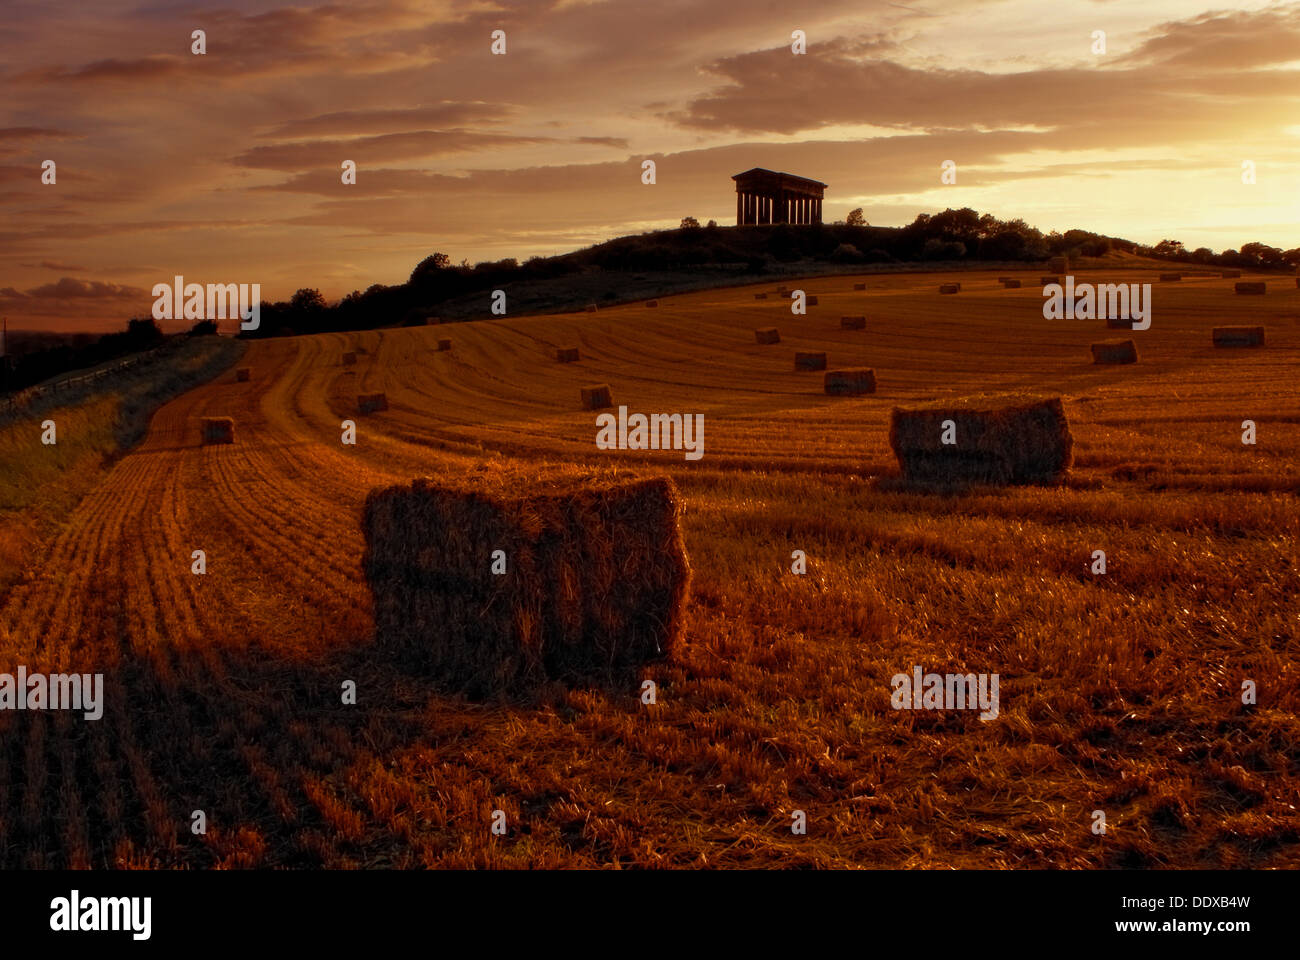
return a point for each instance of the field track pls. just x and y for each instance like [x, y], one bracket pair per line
[1119, 693]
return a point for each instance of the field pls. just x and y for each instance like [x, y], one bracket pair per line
[1119, 693]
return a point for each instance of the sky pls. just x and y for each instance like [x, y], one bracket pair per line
[226, 167]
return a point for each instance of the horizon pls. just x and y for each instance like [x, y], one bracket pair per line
[215, 166]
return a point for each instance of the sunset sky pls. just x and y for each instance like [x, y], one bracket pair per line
[226, 167]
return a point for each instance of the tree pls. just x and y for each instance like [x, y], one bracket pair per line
[690, 223]
[203, 328]
[307, 300]
[856, 219]
[436, 261]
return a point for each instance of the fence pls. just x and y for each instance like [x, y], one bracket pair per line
[24, 398]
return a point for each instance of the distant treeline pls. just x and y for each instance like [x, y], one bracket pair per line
[953, 235]
[22, 370]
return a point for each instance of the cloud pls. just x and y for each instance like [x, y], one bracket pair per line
[52, 265]
[446, 114]
[68, 288]
[379, 149]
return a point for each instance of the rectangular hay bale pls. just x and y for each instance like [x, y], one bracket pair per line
[760, 296]
[1250, 286]
[566, 354]
[811, 300]
[652, 303]
[1168, 277]
[243, 374]
[1238, 336]
[217, 430]
[998, 440]
[1011, 284]
[859, 286]
[597, 396]
[809, 360]
[591, 308]
[444, 344]
[1046, 280]
[595, 583]
[349, 358]
[1230, 274]
[853, 323]
[1119, 323]
[1114, 351]
[372, 402]
[767, 335]
[949, 287]
[850, 382]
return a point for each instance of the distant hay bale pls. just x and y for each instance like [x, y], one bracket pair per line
[1250, 286]
[349, 359]
[1167, 277]
[999, 440]
[853, 323]
[767, 335]
[1230, 274]
[760, 296]
[595, 584]
[591, 308]
[372, 402]
[1238, 336]
[597, 396]
[783, 291]
[1046, 280]
[243, 374]
[432, 321]
[809, 361]
[652, 303]
[1059, 264]
[812, 300]
[1114, 351]
[949, 287]
[850, 382]
[859, 286]
[1011, 284]
[218, 430]
[444, 344]
[566, 354]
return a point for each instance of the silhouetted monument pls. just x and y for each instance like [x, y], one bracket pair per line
[766, 196]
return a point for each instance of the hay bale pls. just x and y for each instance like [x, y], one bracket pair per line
[596, 576]
[850, 381]
[1250, 286]
[1115, 351]
[597, 396]
[1000, 440]
[1011, 284]
[811, 300]
[859, 286]
[591, 308]
[853, 323]
[760, 296]
[566, 354]
[444, 344]
[372, 402]
[349, 359]
[652, 303]
[767, 335]
[217, 430]
[1119, 323]
[1170, 277]
[1046, 280]
[243, 374]
[1230, 274]
[1059, 264]
[1238, 336]
[783, 291]
[949, 287]
[809, 361]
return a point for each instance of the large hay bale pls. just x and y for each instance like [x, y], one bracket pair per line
[652, 303]
[949, 287]
[1115, 351]
[597, 396]
[1011, 284]
[566, 354]
[596, 576]
[850, 381]
[349, 358]
[1230, 274]
[853, 323]
[999, 440]
[760, 296]
[1046, 280]
[1250, 286]
[217, 430]
[1170, 277]
[767, 335]
[372, 402]
[243, 374]
[809, 361]
[1238, 336]
[444, 344]
[859, 286]
[1059, 264]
